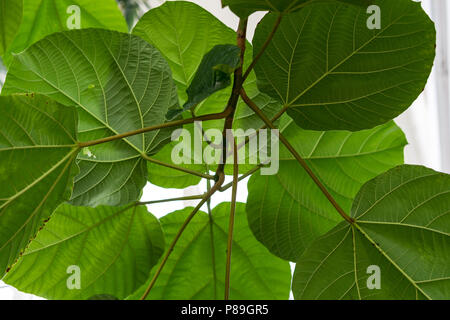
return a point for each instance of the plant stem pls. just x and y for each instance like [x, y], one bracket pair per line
[177, 123]
[263, 48]
[234, 98]
[172, 166]
[201, 196]
[211, 234]
[231, 224]
[179, 233]
[297, 156]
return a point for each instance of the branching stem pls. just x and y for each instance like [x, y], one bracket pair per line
[172, 124]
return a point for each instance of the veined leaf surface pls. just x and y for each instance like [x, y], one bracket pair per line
[114, 249]
[402, 228]
[37, 153]
[334, 73]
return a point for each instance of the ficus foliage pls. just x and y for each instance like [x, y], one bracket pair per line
[86, 121]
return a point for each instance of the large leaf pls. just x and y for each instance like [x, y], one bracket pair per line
[287, 211]
[37, 154]
[402, 226]
[333, 72]
[44, 17]
[244, 8]
[10, 19]
[119, 83]
[114, 249]
[196, 268]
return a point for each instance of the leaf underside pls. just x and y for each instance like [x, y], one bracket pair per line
[334, 73]
[402, 226]
[36, 131]
[114, 248]
[121, 84]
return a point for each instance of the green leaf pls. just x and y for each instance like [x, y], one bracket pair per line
[37, 153]
[287, 211]
[244, 8]
[402, 226]
[9, 22]
[196, 268]
[119, 84]
[114, 249]
[213, 74]
[334, 73]
[44, 17]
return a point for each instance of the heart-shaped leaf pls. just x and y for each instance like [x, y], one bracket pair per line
[397, 248]
[334, 73]
[119, 83]
[37, 154]
[200, 257]
[113, 249]
[287, 211]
